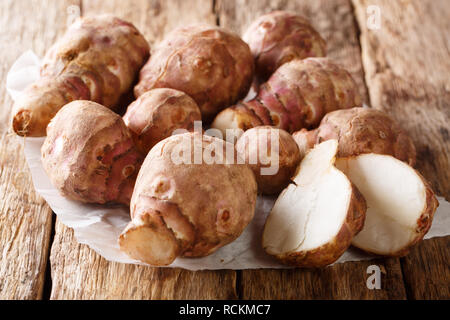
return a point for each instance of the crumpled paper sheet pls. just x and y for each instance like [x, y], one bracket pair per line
[99, 226]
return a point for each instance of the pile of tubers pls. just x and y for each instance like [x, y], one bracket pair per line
[343, 173]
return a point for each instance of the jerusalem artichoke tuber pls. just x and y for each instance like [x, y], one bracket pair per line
[360, 130]
[97, 59]
[210, 64]
[279, 37]
[273, 156]
[316, 217]
[183, 208]
[400, 203]
[296, 96]
[89, 154]
[156, 114]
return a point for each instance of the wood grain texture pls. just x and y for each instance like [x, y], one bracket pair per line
[341, 281]
[25, 218]
[77, 271]
[155, 18]
[407, 67]
[334, 20]
[426, 270]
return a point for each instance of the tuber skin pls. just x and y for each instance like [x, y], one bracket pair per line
[97, 59]
[297, 95]
[280, 37]
[187, 209]
[288, 157]
[210, 64]
[156, 114]
[89, 154]
[360, 130]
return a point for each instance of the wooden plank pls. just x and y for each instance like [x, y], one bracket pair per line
[335, 22]
[25, 218]
[77, 271]
[341, 281]
[407, 66]
[155, 18]
[426, 270]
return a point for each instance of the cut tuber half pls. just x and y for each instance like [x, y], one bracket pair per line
[315, 218]
[400, 203]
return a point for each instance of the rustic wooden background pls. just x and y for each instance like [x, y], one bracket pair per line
[402, 68]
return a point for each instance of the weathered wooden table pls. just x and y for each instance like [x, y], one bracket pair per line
[403, 68]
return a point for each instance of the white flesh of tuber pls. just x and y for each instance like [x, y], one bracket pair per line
[400, 203]
[314, 218]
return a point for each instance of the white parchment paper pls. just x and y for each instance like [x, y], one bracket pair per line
[100, 226]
